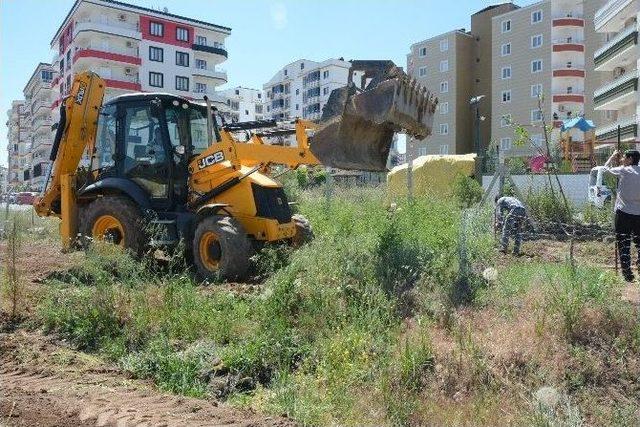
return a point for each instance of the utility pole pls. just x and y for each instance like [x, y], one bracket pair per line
[475, 103]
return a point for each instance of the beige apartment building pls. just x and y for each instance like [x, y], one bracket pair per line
[510, 55]
[17, 145]
[618, 60]
[456, 66]
[545, 49]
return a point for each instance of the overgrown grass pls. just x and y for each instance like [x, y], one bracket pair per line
[364, 325]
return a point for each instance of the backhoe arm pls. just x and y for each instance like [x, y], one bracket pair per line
[76, 131]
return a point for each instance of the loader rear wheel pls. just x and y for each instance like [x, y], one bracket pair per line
[221, 249]
[304, 233]
[113, 219]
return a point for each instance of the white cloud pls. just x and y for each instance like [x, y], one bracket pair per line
[279, 15]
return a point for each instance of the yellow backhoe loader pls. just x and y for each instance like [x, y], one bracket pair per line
[165, 169]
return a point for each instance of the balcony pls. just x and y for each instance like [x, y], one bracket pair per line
[618, 51]
[604, 19]
[574, 97]
[568, 45]
[567, 71]
[618, 93]
[628, 130]
[216, 49]
[568, 21]
[119, 55]
[118, 28]
[212, 73]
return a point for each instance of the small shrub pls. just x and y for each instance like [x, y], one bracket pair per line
[13, 286]
[549, 207]
[467, 191]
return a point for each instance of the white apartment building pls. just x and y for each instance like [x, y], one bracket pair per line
[244, 104]
[618, 60]
[546, 48]
[139, 49]
[18, 146]
[39, 96]
[302, 88]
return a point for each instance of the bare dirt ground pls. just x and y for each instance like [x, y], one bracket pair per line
[45, 383]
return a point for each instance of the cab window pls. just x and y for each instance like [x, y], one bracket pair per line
[198, 121]
[105, 139]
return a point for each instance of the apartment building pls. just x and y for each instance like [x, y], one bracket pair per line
[244, 104]
[39, 96]
[139, 49]
[18, 146]
[302, 88]
[545, 49]
[456, 66]
[618, 60]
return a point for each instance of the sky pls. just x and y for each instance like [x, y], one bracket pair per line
[266, 34]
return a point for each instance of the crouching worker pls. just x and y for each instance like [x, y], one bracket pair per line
[510, 216]
[627, 207]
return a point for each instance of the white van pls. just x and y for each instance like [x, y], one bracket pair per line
[599, 193]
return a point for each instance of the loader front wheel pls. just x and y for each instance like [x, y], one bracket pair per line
[113, 219]
[304, 233]
[221, 249]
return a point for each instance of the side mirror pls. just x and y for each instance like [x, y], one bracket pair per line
[179, 150]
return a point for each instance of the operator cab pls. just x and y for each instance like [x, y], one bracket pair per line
[148, 139]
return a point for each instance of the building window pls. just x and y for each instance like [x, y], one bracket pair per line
[325, 91]
[444, 108]
[536, 115]
[201, 64]
[536, 16]
[536, 90]
[536, 41]
[182, 83]
[285, 72]
[506, 26]
[444, 149]
[325, 74]
[423, 52]
[156, 54]
[536, 65]
[422, 71]
[506, 96]
[505, 144]
[505, 120]
[444, 45]
[537, 141]
[182, 34]
[506, 72]
[46, 75]
[422, 151]
[444, 87]
[156, 79]
[182, 59]
[506, 49]
[444, 66]
[156, 29]
[201, 40]
[201, 88]
[297, 91]
[444, 128]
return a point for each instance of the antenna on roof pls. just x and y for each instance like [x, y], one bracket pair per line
[165, 9]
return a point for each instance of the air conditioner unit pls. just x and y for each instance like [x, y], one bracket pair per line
[128, 71]
[561, 108]
[129, 44]
[122, 17]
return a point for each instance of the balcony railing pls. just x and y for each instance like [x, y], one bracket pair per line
[216, 73]
[613, 127]
[132, 52]
[625, 78]
[621, 42]
[135, 26]
[609, 10]
[216, 48]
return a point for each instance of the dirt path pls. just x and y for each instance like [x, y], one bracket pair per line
[44, 384]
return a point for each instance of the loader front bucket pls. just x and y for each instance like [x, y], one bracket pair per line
[357, 126]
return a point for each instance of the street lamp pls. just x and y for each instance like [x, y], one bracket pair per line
[475, 103]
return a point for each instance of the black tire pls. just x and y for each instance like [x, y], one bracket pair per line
[304, 233]
[124, 211]
[231, 250]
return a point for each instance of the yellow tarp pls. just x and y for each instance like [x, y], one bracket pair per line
[432, 175]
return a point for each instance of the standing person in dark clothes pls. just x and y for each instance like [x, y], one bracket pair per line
[510, 215]
[627, 207]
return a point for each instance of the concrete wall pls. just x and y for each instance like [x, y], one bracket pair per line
[575, 186]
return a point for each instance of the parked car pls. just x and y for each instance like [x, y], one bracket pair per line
[25, 198]
[599, 193]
